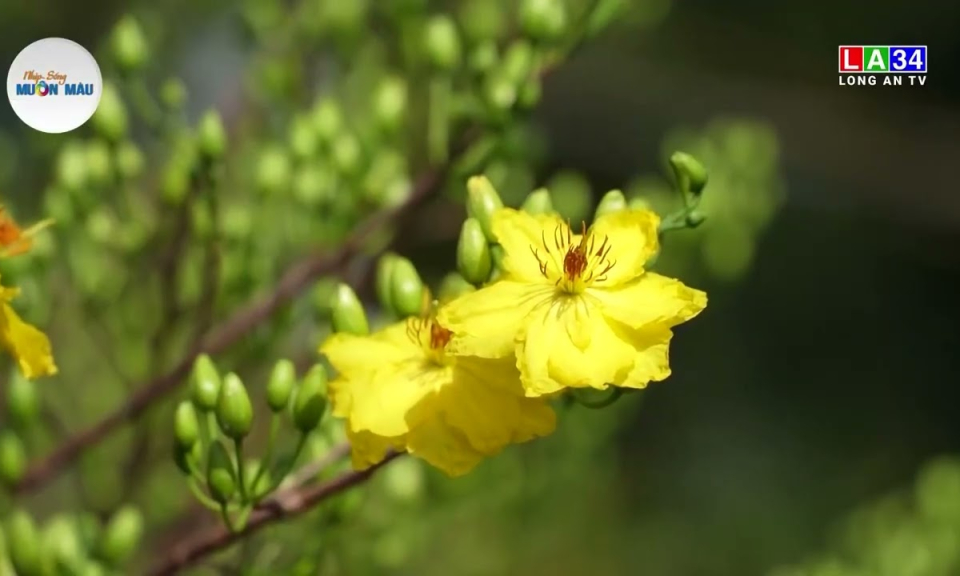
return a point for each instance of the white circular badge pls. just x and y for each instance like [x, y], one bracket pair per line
[54, 85]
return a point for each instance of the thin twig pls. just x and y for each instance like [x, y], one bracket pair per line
[286, 504]
[297, 278]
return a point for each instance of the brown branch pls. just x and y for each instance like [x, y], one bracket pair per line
[284, 505]
[297, 278]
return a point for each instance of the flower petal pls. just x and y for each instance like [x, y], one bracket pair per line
[29, 346]
[519, 234]
[350, 354]
[485, 323]
[396, 398]
[649, 300]
[368, 449]
[443, 447]
[492, 413]
[632, 238]
[652, 360]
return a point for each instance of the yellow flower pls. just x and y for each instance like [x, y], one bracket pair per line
[398, 389]
[577, 310]
[29, 346]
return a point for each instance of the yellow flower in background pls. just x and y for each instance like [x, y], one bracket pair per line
[398, 389]
[29, 346]
[577, 310]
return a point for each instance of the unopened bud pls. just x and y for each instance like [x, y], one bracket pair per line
[23, 402]
[280, 386]
[531, 91]
[384, 281]
[484, 57]
[130, 48]
[173, 93]
[110, 119]
[121, 536]
[99, 162]
[538, 202]
[221, 479]
[234, 410]
[347, 314]
[186, 425]
[571, 195]
[186, 458]
[453, 286]
[690, 174]
[406, 292]
[612, 202]
[517, 65]
[695, 218]
[639, 203]
[442, 43]
[304, 140]
[250, 470]
[347, 154]
[482, 202]
[212, 136]
[544, 20]
[327, 119]
[205, 383]
[390, 103]
[481, 20]
[13, 458]
[311, 400]
[274, 170]
[129, 160]
[23, 544]
[473, 253]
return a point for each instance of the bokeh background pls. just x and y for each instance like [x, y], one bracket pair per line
[821, 380]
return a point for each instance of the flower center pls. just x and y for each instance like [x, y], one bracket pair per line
[573, 266]
[431, 337]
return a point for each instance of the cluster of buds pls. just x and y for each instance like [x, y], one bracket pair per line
[210, 429]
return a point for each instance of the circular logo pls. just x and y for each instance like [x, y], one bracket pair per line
[54, 85]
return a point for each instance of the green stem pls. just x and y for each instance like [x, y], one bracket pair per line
[202, 496]
[211, 425]
[238, 445]
[225, 514]
[438, 124]
[241, 520]
[301, 442]
[267, 457]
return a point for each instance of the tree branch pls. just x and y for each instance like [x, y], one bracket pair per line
[285, 504]
[299, 277]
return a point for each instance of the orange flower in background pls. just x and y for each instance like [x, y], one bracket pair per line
[15, 241]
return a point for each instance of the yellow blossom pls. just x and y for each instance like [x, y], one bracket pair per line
[29, 346]
[14, 240]
[577, 310]
[398, 389]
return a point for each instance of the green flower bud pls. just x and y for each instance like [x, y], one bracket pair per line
[603, 14]
[404, 479]
[234, 410]
[23, 544]
[530, 93]
[327, 119]
[23, 402]
[517, 65]
[499, 92]
[473, 253]
[274, 170]
[314, 184]
[384, 281]
[347, 154]
[482, 20]
[690, 174]
[130, 48]
[390, 103]
[544, 20]
[496, 256]
[13, 458]
[304, 140]
[482, 202]
[250, 469]
[221, 479]
[639, 203]
[129, 160]
[311, 400]
[72, 166]
[442, 42]
[121, 536]
[173, 93]
[99, 162]
[538, 202]
[205, 381]
[613, 201]
[347, 312]
[453, 286]
[406, 292]
[186, 425]
[110, 119]
[187, 458]
[212, 137]
[695, 218]
[93, 569]
[61, 543]
[280, 385]
[571, 195]
[484, 57]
